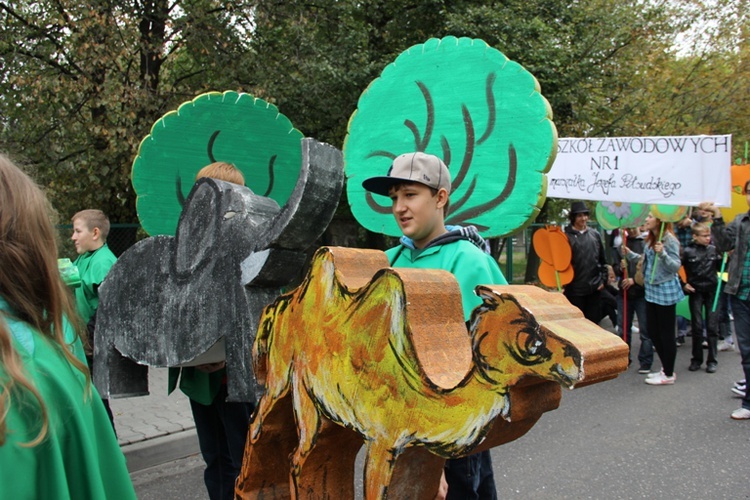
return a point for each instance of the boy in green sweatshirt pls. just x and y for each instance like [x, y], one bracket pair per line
[419, 187]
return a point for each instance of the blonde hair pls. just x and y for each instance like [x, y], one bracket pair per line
[699, 228]
[94, 219]
[30, 282]
[222, 171]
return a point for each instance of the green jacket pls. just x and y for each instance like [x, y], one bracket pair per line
[199, 386]
[470, 265]
[79, 458]
[92, 268]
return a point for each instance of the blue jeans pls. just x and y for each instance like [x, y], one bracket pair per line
[471, 478]
[682, 325]
[637, 307]
[222, 430]
[741, 311]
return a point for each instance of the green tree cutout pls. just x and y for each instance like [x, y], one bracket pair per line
[232, 127]
[468, 104]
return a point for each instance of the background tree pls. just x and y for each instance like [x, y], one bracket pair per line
[81, 85]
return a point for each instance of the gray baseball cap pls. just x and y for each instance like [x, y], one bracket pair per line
[412, 167]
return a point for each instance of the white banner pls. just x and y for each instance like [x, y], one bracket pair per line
[677, 170]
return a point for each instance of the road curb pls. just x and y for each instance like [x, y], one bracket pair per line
[160, 450]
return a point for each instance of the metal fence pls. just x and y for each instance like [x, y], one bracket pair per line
[121, 237]
[515, 252]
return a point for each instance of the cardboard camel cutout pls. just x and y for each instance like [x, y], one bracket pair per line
[168, 300]
[384, 354]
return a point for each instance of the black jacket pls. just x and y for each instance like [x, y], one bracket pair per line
[701, 264]
[588, 262]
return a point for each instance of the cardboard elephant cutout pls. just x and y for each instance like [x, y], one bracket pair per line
[172, 301]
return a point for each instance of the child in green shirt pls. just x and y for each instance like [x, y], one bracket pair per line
[95, 259]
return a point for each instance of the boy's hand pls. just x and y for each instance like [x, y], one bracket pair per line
[689, 288]
[627, 283]
[708, 206]
[442, 489]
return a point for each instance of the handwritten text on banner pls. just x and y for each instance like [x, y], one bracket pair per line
[678, 170]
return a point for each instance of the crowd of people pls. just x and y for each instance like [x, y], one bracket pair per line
[51, 414]
[643, 281]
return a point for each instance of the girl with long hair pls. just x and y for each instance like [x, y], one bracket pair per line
[55, 438]
[663, 292]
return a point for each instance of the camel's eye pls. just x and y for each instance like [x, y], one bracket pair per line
[530, 348]
[524, 340]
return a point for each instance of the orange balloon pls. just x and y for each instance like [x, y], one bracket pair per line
[553, 247]
[547, 276]
[682, 274]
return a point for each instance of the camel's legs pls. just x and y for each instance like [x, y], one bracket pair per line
[276, 386]
[308, 424]
[380, 460]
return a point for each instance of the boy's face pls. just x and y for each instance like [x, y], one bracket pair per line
[703, 238]
[581, 221]
[85, 240]
[418, 212]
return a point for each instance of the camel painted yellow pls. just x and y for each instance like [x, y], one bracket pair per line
[350, 355]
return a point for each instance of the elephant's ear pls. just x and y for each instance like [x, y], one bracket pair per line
[198, 227]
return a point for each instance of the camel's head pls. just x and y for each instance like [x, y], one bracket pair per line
[509, 344]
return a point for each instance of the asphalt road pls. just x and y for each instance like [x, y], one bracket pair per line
[617, 439]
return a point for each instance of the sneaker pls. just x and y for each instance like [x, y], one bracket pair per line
[739, 392]
[644, 369]
[655, 374]
[680, 340]
[740, 383]
[711, 368]
[725, 346]
[741, 414]
[694, 366]
[661, 379]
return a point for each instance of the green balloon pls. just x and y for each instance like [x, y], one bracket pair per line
[615, 214]
[669, 213]
[465, 102]
[231, 127]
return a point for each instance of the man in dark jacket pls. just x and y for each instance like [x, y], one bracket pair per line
[736, 236]
[590, 273]
[636, 302]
